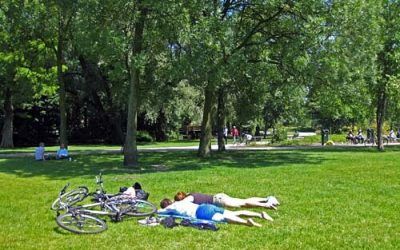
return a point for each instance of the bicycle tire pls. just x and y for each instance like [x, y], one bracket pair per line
[81, 223]
[71, 197]
[140, 208]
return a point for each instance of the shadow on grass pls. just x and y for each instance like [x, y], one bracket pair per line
[150, 162]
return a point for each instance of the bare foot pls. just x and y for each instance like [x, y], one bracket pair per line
[270, 206]
[266, 216]
[251, 222]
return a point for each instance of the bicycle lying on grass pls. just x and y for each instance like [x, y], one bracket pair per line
[83, 218]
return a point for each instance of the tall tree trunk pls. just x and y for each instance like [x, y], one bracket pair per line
[61, 91]
[161, 126]
[130, 147]
[206, 124]
[221, 119]
[7, 130]
[380, 117]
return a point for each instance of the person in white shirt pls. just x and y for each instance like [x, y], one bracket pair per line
[210, 212]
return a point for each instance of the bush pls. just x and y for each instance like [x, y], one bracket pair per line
[280, 134]
[143, 136]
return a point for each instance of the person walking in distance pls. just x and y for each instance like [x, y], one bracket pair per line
[235, 134]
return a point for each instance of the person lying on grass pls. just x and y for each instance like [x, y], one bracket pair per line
[224, 200]
[209, 212]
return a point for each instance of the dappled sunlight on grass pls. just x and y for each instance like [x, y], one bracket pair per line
[330, 198]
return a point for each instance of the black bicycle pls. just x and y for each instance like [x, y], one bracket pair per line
[83, 218]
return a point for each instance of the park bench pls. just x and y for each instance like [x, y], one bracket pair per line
[257, 138]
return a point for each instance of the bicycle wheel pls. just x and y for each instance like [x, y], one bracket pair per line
[139, 208]
[70, 197]
[81, 223]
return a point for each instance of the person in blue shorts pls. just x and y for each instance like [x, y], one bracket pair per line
[62, 153]
[210, 212]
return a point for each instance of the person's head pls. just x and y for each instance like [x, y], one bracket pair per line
[62, 145]
[234, 126]
[137, 186]
[41, 144]
[165, 203]
[180, 196]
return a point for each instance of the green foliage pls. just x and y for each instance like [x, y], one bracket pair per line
[143, 136]
[279, 134]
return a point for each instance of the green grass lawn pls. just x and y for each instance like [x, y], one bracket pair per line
[97, 147]
[330, 199]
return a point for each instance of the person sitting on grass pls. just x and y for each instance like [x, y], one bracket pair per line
[40, 152]
[209, 212]
[62, 153]
[224, 200]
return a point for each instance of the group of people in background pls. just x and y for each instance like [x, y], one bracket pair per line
[236, 136]
[41, 155]
[360, 138]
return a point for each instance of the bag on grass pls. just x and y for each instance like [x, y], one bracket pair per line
[169, 222]
[199, 225]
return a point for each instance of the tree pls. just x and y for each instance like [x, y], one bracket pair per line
[386, 83]
[19, 60]
[56, 21]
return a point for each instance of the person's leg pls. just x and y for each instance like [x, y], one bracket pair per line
[230, 217]
[258, 202]
[227, 201]
[262, 215]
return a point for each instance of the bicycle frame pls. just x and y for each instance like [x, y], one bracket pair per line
[104, 202]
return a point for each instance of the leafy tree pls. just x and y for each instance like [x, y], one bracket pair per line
[22, 74]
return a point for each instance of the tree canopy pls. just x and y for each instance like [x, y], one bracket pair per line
[109, 71]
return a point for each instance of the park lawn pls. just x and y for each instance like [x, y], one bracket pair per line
[100, 147]
[330, 198]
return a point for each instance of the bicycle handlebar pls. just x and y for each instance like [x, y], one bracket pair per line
[99, 179]
[64, 189]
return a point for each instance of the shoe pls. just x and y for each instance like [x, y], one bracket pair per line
[149, 221]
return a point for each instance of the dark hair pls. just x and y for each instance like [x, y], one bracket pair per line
[137, 185]
[165, 203]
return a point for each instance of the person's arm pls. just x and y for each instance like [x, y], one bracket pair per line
[171, 210]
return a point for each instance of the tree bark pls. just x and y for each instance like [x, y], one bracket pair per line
[130, 147]
[61, 91]
[206, 124]
[161, 126]
[7, 130]
[221, 119]
[380, 114]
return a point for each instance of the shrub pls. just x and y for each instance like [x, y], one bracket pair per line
[143, 136]
[280, 134]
